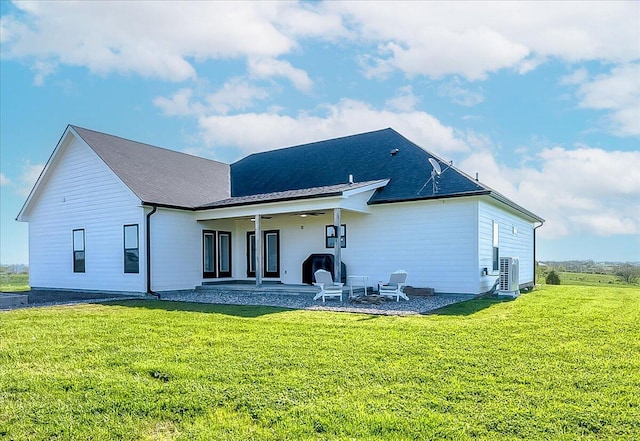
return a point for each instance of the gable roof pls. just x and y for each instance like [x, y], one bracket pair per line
[157, 175]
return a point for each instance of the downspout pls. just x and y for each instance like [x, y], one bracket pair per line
[534, 253]
[148, 231]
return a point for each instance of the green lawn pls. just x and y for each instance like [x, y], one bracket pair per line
[14, 282]
[562, 362]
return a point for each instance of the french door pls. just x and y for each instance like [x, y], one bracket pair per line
[270, 253]
[216, 254]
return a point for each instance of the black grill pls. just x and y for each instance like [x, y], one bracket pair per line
[320, 261]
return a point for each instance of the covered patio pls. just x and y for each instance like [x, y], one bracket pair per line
[264, 239]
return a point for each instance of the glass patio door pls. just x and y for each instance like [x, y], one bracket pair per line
[270, 256]
[224, 254]
[216, 254]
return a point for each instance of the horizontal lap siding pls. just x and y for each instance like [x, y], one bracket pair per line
[435, 242]
[82, 193]
[176, 250]
[298, 243]
[518, 244]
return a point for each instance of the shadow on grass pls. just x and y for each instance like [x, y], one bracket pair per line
[245, 311]
[469, 307]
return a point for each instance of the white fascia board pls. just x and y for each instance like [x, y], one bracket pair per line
[283, 207]
[23, 215]
[373, 186]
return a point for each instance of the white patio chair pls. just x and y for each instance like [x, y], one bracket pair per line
[397, 281]
[327, 287]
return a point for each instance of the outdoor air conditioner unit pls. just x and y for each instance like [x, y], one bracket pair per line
[509, 277]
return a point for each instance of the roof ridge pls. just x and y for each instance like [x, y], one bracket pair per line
[279, 149]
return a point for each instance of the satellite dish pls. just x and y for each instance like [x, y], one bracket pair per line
[435, 175]
[436, 166]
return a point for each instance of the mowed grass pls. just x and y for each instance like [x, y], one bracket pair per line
[562, 362]
[14, 282]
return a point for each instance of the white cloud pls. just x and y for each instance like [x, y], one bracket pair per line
[460, 95]
[576, 77]
[42, 69]
[269, 67]
[272, 130]
[179, 104]
[4, 180]
[619, 93]
[473, 39]
[404, 101]
[578, 191]
[156, 39]
[308, 20]
[235, 94]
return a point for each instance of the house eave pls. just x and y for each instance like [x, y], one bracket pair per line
[426, 198]
[492, 194]
[500, 198]
[168, 206]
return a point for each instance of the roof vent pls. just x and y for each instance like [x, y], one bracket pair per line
[394, 152]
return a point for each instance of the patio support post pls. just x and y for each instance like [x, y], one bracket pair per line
[258, 232]
[337, 248]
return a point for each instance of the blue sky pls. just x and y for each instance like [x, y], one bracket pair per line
[541, 99]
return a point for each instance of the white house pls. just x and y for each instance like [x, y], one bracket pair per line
[110, 214]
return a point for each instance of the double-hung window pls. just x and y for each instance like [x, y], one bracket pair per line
[131, 249]
[78, 251]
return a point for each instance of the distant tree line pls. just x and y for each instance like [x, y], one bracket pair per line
[14, 269]
[627, 272]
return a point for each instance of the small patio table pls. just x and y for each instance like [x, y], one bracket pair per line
[358, 281]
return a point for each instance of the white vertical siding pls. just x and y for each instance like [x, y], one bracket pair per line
[515, 240]
[82, 192]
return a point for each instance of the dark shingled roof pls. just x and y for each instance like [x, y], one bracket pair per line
[366, 156]
[305, 193]
[157, 175]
